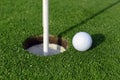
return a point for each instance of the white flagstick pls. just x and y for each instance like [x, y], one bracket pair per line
[45, 26]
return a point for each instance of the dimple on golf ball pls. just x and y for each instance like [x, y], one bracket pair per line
[82, 41]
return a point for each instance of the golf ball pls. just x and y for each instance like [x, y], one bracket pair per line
[82, 41]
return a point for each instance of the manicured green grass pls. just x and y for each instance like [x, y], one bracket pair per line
[20, 19]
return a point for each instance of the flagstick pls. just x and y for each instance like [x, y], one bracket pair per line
[45, 27]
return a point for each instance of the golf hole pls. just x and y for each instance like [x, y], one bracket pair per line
[34, 45]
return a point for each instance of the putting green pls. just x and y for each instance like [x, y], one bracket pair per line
[20, 19]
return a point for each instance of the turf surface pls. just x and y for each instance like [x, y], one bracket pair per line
[20, 19]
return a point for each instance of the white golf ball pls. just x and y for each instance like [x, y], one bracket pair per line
[82, 41]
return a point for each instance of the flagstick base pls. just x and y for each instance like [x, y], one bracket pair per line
[52, 50]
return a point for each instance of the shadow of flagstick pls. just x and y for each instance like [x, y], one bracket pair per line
[89, 18]
[85, 21]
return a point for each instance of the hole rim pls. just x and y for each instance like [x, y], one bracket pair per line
[35, 40]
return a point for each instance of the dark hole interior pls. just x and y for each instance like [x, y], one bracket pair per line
[31, 41]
